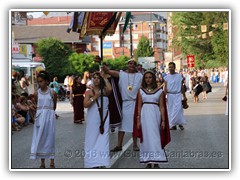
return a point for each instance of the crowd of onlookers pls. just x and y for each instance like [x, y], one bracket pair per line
[23, 104]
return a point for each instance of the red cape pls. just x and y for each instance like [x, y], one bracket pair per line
[164, 134]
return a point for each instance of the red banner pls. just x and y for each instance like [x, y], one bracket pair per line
[97, 21]
[190, 61]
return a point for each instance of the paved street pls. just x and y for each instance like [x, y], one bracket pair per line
[203, 144]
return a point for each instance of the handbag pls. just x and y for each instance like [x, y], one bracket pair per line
[184, 104]
[224, 98]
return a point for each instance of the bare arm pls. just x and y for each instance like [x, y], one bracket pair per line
[54, 100]
[183, 91]
[110, 72]
[226, 91]
[89, 98]
[139, 110]
[71, 95]
[162, 110]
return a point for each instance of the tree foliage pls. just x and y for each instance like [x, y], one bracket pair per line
[117, 63]
[82, 62]
[144, 49]
[209, 52]
[55, 56]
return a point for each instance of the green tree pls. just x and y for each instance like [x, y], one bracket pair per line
[55, 55]
[211, 51]
[82, 62]
[117, 63]
[144, 49]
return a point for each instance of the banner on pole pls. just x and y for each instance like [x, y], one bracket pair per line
[190, 61]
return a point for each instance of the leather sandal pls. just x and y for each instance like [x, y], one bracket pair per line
[149, 166]
[42, 166]
[117, 148]
[181, 127]
[136, 148]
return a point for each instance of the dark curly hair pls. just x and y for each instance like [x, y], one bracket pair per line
[154, 82]
[44, 75]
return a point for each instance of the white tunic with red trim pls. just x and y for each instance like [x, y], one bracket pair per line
[151, 149]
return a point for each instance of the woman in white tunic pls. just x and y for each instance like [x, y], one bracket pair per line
[97, 143]
[151, 110]
[43, 141]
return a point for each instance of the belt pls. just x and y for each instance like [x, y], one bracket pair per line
[77, 95]
[151, 103]
[129, 100]
[44, 107]
[174, 92]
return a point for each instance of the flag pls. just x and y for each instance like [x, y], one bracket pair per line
[204, 28]
[225, 26]
[46, 13]
[128, 16]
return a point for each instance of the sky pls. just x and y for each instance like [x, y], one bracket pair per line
[36, 14]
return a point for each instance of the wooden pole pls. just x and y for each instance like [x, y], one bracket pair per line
[101, 82]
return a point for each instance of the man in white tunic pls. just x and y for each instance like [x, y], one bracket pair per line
[129, 84]
[175, 91]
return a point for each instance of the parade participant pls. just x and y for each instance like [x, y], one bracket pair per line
[67, 87]
[225, 98]
[87, 80]
[205, 85]
[197, 87]
[97, 128]
[76, 98]
[140, 68]
[43, 140]
[151, 118]
[129, 84]
[115, 103]
[175, 91]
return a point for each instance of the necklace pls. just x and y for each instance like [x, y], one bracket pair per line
[130, 87]
[149, 89]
